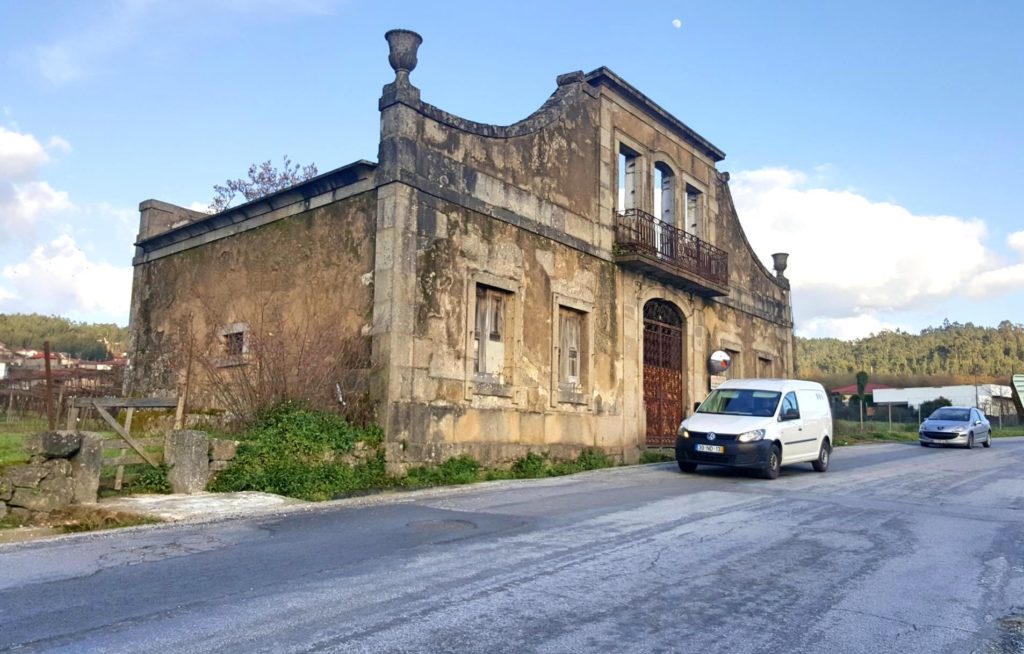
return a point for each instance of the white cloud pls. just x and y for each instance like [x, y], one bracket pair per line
[58, 278]
[846, 328]
[1016, 241]
[21, 156]
[24, 199]
[852, 259]
[999, 281]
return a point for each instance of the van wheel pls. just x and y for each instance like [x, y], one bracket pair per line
[772, 465]
[686, 466]
[824, 456]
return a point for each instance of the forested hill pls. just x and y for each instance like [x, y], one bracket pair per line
[953, 353]
[95, 342]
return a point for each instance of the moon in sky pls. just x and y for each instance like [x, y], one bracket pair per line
[676, 23]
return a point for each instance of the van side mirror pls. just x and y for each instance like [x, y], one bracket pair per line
[790, 414]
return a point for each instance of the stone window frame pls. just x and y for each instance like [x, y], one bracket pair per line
[765, 355]
[560, 394]
[476, 385]
[227, 357]
[735, 351]
[686, 181]
[643, 176]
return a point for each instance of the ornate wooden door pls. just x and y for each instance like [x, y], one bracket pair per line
[663, 374]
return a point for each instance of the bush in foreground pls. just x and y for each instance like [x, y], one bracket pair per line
[295, 451]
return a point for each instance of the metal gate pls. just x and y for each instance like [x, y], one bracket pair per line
[663, 375]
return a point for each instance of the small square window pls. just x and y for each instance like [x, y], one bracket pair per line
[234, 344]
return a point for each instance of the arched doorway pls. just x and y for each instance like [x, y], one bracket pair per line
[663, 371]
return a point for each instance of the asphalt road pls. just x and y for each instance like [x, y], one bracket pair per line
[896, 549]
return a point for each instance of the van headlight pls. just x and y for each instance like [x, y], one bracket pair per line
[751, 436]
[683, 431]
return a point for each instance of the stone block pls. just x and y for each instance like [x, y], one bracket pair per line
[20, 514]
[86, 467]
[6, 489]
[222, 449]
[3, 509]
[51, 494]
[219, 466]
[57, 468]
[53, 444]
[25, 476]
[187, 453]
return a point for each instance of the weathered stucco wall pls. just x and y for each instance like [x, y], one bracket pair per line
[445, 411]
[305, 280]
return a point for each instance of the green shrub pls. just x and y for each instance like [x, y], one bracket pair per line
[458, 470]
[653, 456]
[531, 466]
[299, 452]
[150, 480]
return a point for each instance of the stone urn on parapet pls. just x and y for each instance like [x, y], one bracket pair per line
[403, 45]
[780, 260]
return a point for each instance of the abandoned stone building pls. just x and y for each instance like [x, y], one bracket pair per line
[549, 286]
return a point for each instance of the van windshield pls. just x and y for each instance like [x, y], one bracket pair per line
[741, 402]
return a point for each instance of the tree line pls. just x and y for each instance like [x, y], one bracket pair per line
[93, 342]
[954, 353]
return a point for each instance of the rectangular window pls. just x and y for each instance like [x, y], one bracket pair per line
[489, 335]
[733, 371]
[694, 209]
[764, 367]
[627, 179]
[570, 349]
[234, 344]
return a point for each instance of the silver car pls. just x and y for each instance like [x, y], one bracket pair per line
[956, 425]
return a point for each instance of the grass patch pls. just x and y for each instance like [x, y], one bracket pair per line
[76, 519]
[12, 449]
[81, 519]
[848, 432]
[654, 456]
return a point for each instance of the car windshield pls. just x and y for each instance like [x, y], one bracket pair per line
[741, 402]
[959, 415]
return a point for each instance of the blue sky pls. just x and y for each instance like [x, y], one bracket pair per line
[880, 143]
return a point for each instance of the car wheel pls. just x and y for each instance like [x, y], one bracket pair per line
[686, 466]
[923, 444]
[970, 441]
[988, 441]
[772, 464]
[824, 456]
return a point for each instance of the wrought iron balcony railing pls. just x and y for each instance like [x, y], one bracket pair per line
[663, 249]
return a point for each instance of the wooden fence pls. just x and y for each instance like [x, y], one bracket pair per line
[141, 448]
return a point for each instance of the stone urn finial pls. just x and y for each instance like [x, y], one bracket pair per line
[780, 260]
[403, 44]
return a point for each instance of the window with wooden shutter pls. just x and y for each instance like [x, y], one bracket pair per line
[489, 334]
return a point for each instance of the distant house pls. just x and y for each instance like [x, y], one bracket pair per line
[993, 399]
[846, 392]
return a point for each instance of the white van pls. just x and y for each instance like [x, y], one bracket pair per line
[758, 423]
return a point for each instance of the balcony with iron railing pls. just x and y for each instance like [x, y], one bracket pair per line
[663, 251]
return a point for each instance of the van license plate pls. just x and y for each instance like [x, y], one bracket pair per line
[714, 449]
